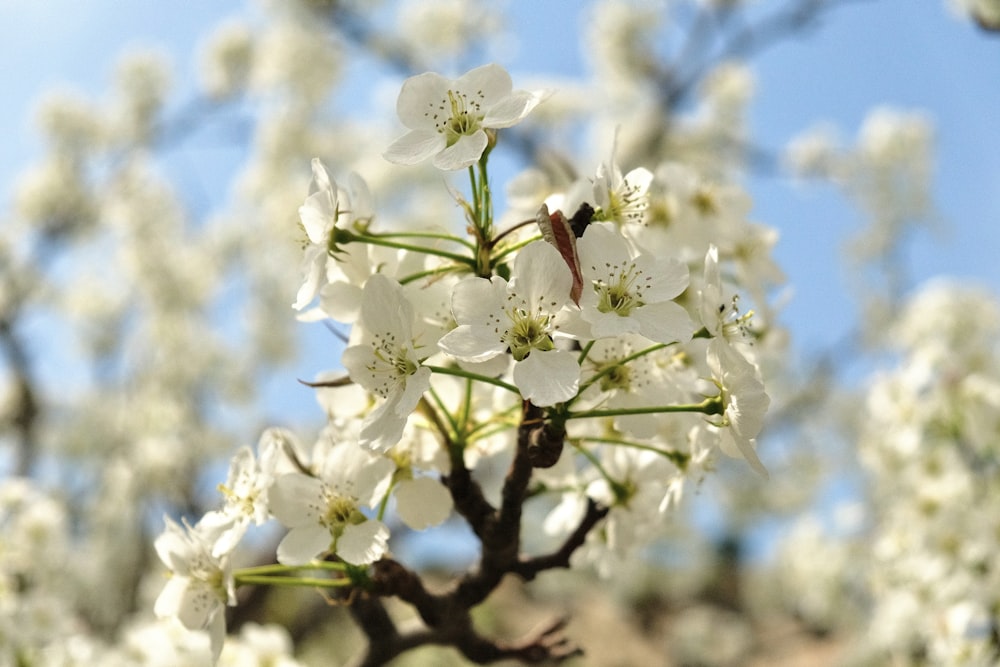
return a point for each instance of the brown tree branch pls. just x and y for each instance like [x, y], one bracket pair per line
[529, 568]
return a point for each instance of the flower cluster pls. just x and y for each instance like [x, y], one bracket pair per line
[930, 446]
[595, 343]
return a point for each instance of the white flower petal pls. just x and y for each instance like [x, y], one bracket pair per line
[416, 94]
[415, 146]
[711, 292]
[314, 270]
[372, 481]
[416, 384]
[168, 603]
[383, 427]
[318, 215]
[291, 497]
[464, 152]
[600, 244]
[198, 603]
[547, 378]
[471, 342]
[664, 322]
[363, 543]
[173, 547]
[217, 634]
[341, 300]
[669, 277]
[489, 83]
[304, 543]
[610, 324]
[385, 309]
[541, 276]
[512, 109]
[475, 300]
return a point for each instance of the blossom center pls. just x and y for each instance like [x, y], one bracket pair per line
[627, 204]
[340, 510]
[391, 364]
[732, 325]
[616, 376]
[527, 332]
[459, 115]
[622, 292]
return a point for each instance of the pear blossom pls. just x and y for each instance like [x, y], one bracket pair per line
[327, 206]
[201, 582]
[323, 512]
[495, 316]
[630, 294]
[246, 491]
[448, 119]
[646, 381]
[318, 216]
[622, 199]
[387, 361]
[641, 479]
[745, 403]
[720, 316]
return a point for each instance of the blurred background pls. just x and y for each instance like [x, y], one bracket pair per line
[154, 159]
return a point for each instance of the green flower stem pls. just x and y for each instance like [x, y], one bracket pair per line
[438, 271]
[515, 247]
[458, 372]
[482, 216]
[497, 424]
[474, 188]
[583, 357]
[710, 406]
[679, 459]
[426, 250]
[419, 235]
[384, 505]
[311, 582]
[615, 485]
[486, 210]
[510, 230]
[610, 367]
[466, 415]
[435, 415]
[278, 568]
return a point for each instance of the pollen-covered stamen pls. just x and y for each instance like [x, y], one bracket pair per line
[245, 501]
[204, 569]
[615, 376]
[335, 510]
[525, 330]
[622, 292]
[458, 115]
[629, 204]
[391, 363]
[705, 201]
[733, 325]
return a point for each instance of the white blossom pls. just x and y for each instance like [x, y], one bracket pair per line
[324, 513]
[495, 317]
[625, 294]
[201, 583]
[387, 361]
[448, 119]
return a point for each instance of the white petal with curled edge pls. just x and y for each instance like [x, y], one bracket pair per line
[547, 378]
[303, 544]
[415, 146]
[363, 543]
